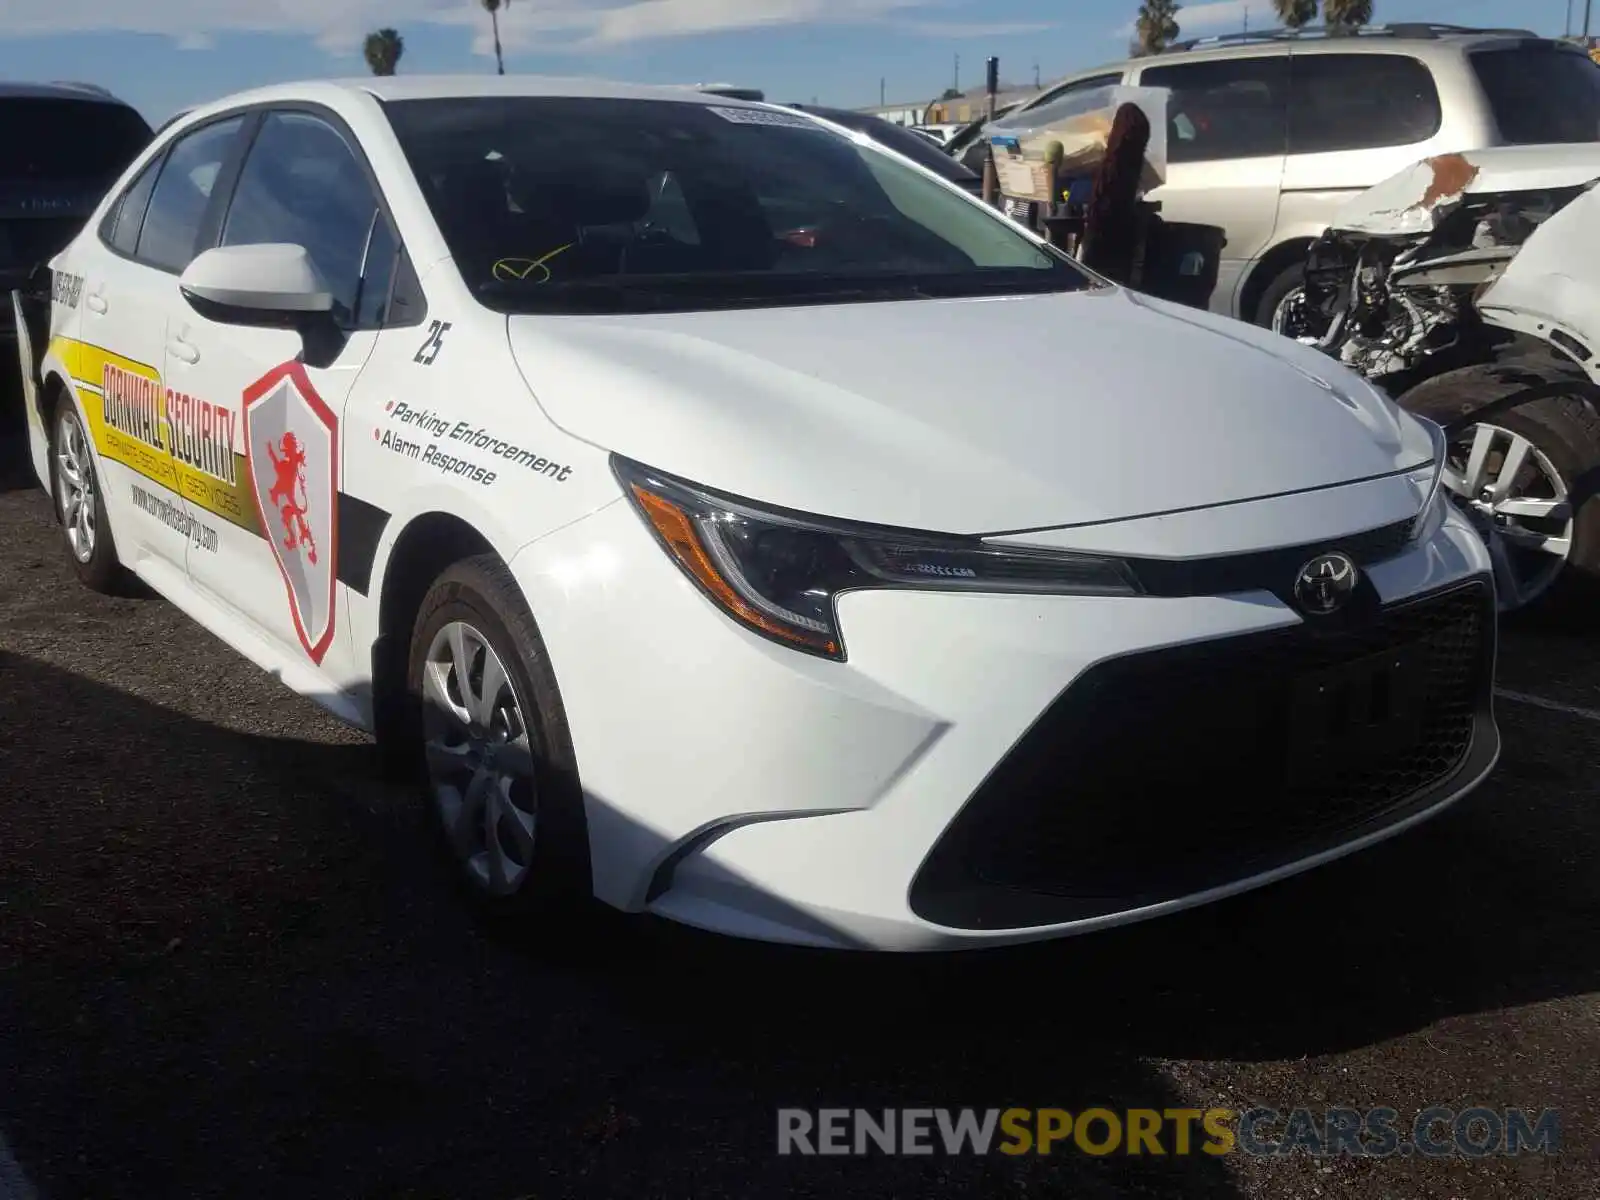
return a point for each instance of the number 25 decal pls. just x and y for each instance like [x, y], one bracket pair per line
[429, 350]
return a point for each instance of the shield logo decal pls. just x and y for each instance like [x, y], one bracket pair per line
[292, 451]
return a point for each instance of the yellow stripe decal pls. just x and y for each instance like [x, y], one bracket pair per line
[184, 444]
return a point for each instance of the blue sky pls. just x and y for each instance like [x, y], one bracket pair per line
[167, 54]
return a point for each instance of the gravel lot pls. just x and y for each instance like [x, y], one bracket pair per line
[231, 966]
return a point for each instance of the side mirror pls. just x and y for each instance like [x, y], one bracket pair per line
[274, 285]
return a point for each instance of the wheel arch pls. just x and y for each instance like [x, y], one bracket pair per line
[54, 386]
[1266, 269]
[426, 545]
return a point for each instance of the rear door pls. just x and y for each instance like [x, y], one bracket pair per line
[129, 282]
[1227, 128]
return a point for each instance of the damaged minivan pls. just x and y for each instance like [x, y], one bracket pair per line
[1468, 288]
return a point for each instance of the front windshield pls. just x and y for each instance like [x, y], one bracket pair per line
[560, 204]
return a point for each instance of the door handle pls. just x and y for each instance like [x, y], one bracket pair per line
[182, 351]
[95, 302]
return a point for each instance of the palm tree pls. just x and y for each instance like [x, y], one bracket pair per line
[1295, 13]
[383, 50]
[1157, 25]
[1346, 16]
[493, 7]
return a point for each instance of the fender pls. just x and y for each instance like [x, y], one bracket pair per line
[55, 369]
[505, 541]
[1551, 290]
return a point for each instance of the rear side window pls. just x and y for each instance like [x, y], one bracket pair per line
[1360, 102]
[182, 192]
[121, 230]
[83, 141]
[1541, 93]
[1231, 108]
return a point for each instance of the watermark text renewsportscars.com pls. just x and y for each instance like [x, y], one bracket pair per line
[1438, 1132]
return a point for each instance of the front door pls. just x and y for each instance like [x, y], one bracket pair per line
[273, 400]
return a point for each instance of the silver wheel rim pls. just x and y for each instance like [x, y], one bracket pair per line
[1288, 318]
[75, 497]
[1519, 502]
[480, 761]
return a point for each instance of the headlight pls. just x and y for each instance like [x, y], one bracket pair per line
[778, 573]
[1437, 501]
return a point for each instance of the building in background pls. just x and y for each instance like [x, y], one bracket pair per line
[973, 103]
[898, 114]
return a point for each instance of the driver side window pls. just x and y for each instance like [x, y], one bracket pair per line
[301, 183]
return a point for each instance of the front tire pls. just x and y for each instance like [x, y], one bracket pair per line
[1527, 475]
[81, 505]
[1276, 310]
[493, 751]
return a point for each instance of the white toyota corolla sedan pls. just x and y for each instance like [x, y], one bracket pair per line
[593, 446]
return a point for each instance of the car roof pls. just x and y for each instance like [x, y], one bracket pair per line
[1315, 39]
[463, 87]
[1418, 39]
[91, 92]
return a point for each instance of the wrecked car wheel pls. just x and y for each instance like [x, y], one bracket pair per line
[1282, 304]
[1525, 476]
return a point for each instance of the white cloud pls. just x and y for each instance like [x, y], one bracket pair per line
[338, 26]
[1201, 19]
[975, 29]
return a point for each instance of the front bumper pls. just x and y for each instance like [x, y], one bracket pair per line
[984, 769]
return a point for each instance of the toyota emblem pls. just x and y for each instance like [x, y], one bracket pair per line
[1325, 584]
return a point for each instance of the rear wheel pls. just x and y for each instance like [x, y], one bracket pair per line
[1527, 477]
[81, 505]
[495, 758]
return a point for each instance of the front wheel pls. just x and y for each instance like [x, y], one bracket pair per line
[1526, 477]
[1282, 304]
[496, 761]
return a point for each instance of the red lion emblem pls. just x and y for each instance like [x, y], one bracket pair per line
[288, 472]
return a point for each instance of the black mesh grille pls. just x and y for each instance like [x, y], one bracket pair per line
[1172, 771]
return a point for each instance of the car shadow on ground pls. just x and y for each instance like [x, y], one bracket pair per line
[231, 965]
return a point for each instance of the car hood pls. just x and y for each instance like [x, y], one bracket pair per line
[967, 416]
[1412, 201]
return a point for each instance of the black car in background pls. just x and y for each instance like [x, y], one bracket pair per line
[61, 146]
[914, 146]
